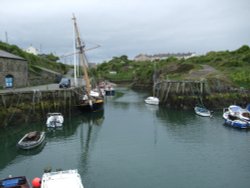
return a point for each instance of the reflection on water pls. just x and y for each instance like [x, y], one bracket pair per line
[88, 134]
[132, 144]
[54, 138]
[152, 108]
[8, 139]
[33, 151]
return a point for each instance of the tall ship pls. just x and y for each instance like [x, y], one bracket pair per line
[91, 99]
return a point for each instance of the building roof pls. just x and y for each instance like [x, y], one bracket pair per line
[5, 54]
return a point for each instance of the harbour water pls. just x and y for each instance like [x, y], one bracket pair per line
[131, 144]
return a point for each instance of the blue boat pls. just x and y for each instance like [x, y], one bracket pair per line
[248, 107]
[235, 116]
[19, 181]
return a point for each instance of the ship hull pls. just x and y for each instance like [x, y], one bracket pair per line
[95, 106]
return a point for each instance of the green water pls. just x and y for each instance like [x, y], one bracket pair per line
[135, 145]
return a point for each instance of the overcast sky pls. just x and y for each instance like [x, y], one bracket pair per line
[127, 27]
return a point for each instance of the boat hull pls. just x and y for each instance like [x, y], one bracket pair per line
[86, 107]
[237, 124]
[234, 121]
[54, 124]
[202, 112]
[109, 92]
[30, 144]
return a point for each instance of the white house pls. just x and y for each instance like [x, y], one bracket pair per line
[32, 50]
[145, 57]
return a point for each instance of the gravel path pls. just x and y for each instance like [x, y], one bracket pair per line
[202, 73]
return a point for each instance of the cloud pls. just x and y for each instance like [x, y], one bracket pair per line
[127, 27]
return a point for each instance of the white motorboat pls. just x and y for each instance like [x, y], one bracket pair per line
[54, 120]
[236, 116]
[62, 179]
[152, 100]
[107, 88]
[239, 112]
[234, 121]
[201, 111]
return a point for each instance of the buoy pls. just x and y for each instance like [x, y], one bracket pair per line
[36, 182]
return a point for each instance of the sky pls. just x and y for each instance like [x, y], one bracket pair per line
[126, 27]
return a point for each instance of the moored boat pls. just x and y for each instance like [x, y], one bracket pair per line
[234, 121]
[152, 100]
[107, 88]
[236, 116]
[86, 105]
[240, 113]
[202, 111]
[54, 120]
[15, 182]
[62, 179]
[31, 140]
[90, 100]
[109, 91]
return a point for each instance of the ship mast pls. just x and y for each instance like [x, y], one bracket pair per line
[80, 46]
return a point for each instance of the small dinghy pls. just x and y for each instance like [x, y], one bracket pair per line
[202, 111]
[31, 140]
[152, 100]
[54, 120]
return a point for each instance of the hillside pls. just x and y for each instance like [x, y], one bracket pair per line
[37, 65]
[228, 68]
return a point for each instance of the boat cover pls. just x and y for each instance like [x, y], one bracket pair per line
[12, 182]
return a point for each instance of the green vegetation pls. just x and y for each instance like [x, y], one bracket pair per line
[121, 69]
[227, 66]
[47, 61]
